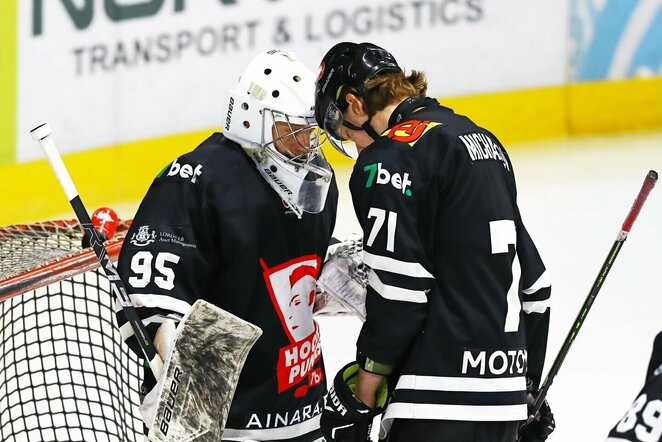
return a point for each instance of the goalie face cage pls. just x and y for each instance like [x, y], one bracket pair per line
[65, 374]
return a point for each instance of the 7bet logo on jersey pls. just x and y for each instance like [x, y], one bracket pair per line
[379, 175]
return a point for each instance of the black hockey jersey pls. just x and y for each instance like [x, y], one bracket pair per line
[458, 297]
[210, 227]
[643, 421]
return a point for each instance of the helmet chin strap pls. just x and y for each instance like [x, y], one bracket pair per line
[367, 127]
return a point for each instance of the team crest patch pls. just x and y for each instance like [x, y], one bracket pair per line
[144, 236]
[410, 131]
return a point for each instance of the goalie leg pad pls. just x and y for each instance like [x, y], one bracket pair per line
[202, 372]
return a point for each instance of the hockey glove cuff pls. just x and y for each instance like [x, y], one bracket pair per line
[345, 417]
[542, 424]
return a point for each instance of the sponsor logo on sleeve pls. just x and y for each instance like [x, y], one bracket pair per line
[163, 234]
[186, 171]
[143, 237]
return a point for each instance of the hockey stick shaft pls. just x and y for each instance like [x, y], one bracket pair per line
[649, 183]
[42, 134]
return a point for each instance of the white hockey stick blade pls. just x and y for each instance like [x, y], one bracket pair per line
[202, 372]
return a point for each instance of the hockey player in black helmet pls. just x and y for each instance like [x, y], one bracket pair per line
[458, 296]
[243, 221]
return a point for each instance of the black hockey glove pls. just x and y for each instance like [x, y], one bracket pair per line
[542, 424]
[345, 418]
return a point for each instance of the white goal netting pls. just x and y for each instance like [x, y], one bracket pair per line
[65, 374]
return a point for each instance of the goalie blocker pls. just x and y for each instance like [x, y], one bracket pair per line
[201, 372]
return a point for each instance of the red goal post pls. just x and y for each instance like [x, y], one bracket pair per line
[24, 270]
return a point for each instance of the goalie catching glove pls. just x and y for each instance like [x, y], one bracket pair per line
[346, 418]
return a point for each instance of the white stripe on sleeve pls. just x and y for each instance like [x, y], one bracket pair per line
[396, 293]
[535, 306]
[543, 282]
[391, 265]
[126, 331]
[157, 301]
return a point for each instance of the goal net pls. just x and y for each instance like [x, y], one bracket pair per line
[65, 374]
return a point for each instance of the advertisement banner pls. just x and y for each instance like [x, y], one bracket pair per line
[104, 72]
[616, 39]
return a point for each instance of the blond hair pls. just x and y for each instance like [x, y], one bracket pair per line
[391, 87]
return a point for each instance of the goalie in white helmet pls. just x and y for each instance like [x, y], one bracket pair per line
[271, 115]
[244, 221]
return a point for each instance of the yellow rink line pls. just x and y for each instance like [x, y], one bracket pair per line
[8, 38]
[30, 191]
[123, 172]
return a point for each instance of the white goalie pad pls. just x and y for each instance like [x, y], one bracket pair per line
[343, 281]
[202, 371]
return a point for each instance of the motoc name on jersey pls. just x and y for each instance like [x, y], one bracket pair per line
[494, 362]
[481, 147]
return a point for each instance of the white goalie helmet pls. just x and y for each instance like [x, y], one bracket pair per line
[270, 113]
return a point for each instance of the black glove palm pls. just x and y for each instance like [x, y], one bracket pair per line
[345, 417]
[542, 424]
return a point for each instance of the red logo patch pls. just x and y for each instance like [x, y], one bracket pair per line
[320, 72]
[408, 131]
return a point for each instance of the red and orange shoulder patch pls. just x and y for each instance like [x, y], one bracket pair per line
[410, 131]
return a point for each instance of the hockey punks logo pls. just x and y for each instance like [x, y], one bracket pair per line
[292, 287]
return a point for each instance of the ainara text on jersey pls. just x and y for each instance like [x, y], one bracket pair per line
[276, 420]
[379, 175]
[482, 147]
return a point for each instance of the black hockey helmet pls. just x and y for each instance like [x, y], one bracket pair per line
[345, 67]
